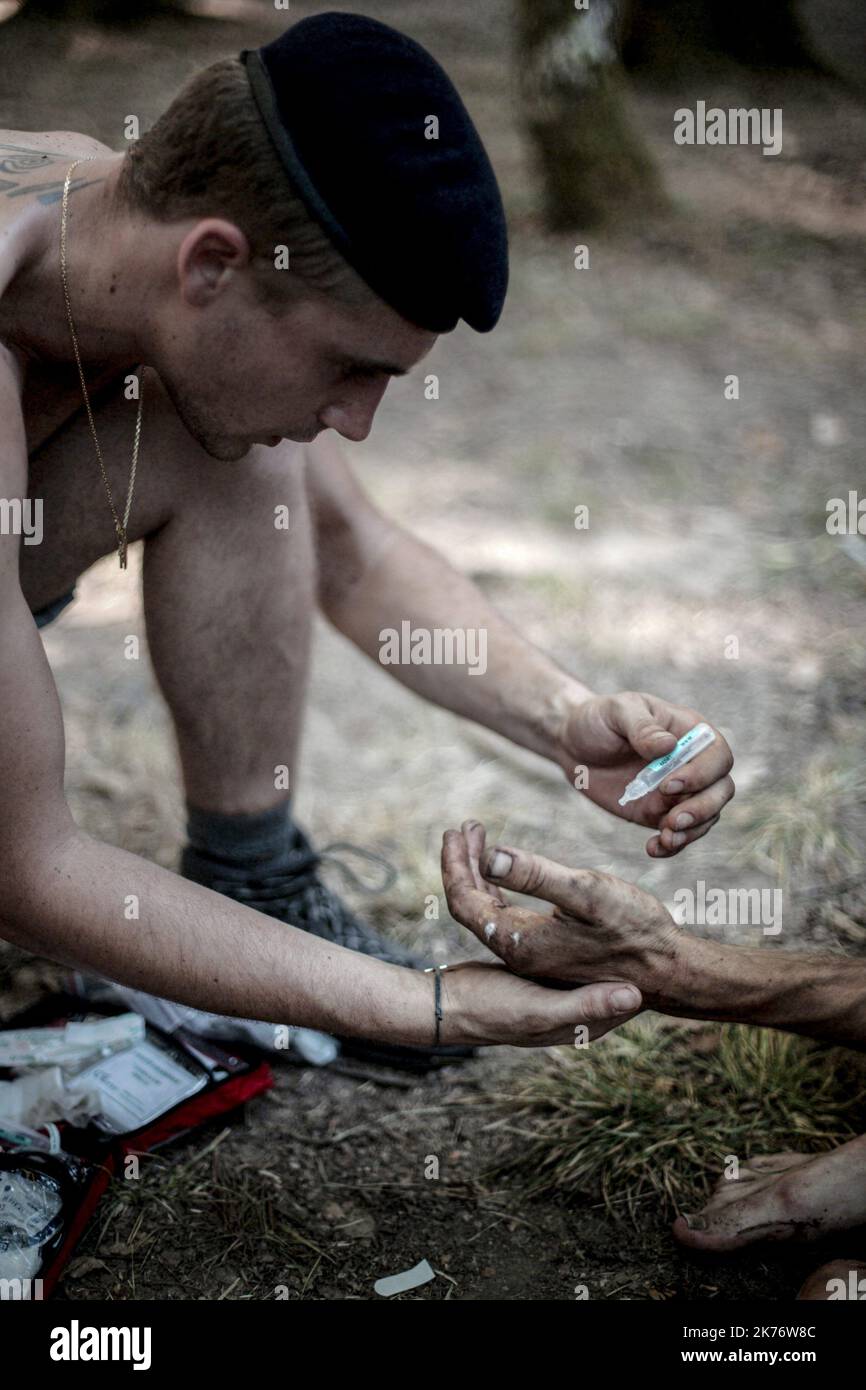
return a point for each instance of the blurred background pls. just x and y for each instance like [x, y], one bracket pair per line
[706, 575]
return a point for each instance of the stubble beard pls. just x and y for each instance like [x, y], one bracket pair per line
[222, 448]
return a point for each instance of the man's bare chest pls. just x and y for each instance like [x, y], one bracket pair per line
[48, 401]
[51, 397]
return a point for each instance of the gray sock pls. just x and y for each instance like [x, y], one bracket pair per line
[240, 846]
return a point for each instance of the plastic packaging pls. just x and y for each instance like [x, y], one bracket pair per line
[22, 1137]
[37, 1198]
[651, 776]
[72, 1047]
[317, 1048]
[31, 1206]
[44, 1095]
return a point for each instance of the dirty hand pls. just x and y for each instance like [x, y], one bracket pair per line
[613, 736]
[600, 929]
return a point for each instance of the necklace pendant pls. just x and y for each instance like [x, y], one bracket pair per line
[121, 547]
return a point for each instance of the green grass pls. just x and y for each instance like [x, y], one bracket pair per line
[801, 825]
[653, 1112]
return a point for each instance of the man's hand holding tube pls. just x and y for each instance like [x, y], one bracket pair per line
[612, 737]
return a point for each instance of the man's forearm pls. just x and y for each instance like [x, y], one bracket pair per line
[820, 996]
[520, 694]
[200, 948]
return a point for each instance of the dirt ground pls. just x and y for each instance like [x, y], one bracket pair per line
[601, 387]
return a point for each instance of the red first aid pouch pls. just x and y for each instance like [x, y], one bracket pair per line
[153, 1092]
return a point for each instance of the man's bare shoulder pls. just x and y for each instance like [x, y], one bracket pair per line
[33, 165]
[24, 150]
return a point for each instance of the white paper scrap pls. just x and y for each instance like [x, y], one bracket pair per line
[408, 1279]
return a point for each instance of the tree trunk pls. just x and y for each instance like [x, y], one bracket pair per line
[676, 40]
[595, 167]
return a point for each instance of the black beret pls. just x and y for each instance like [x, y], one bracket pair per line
[346, 101]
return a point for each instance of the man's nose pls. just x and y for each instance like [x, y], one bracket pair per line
[352, 416]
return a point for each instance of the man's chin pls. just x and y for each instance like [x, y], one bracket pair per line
[226, 450]
[232, 450]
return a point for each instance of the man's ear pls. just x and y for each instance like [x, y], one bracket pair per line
[210, 255]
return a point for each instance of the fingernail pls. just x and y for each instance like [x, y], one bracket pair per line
[674, 786]
[694, 1223]
[684, 821]
[499, 865]
[624, 1001]
[677, 839]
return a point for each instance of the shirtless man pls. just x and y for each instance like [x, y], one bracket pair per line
[171, 274]
[604, 928]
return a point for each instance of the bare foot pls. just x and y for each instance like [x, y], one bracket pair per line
[836, 1280]
[784, 1196]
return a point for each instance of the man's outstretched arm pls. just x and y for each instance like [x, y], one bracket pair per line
[819, 996]
[374, 575]
[604, 927]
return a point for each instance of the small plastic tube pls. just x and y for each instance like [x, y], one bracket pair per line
[651, 776]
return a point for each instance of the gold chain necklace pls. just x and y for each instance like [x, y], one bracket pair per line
[120, 525]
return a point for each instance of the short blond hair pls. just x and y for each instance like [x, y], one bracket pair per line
[210, 155]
